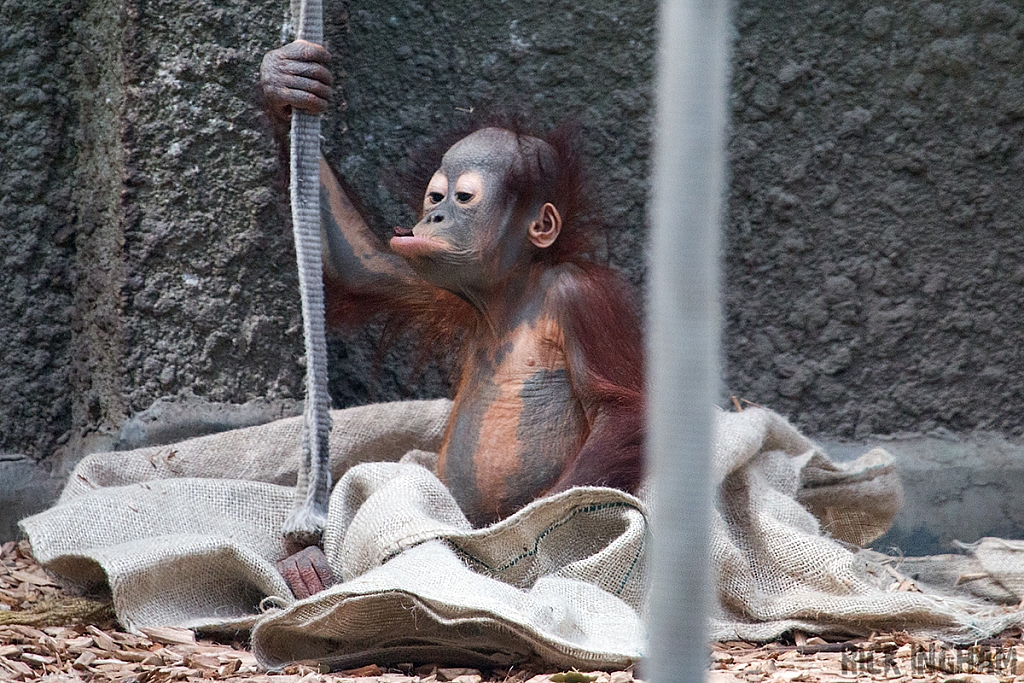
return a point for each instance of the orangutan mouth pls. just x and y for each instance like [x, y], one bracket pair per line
[403, 232]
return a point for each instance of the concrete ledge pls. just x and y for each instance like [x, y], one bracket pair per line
[956, 488]
[169, 420]
[28, 486]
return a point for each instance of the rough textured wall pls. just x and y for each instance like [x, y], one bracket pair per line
[411, 69]
[96, 326]
[875, 253]
[36, 225]
[172, 209]
[408, 70]
[210, 293]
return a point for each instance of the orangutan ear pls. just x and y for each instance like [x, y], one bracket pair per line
[544, 231]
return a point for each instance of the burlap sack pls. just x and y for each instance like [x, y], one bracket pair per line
[779, 567]
[187, 535]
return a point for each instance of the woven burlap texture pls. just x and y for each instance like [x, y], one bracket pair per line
[187, 535]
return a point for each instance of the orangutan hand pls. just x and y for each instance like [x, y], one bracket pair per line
[295, 75]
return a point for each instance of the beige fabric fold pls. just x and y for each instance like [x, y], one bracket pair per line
[187, 535]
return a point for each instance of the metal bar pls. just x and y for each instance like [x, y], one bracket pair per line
[684, 318]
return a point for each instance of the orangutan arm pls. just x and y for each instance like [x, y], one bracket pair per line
[604, 347]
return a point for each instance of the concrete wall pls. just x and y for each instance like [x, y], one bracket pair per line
[873, 251]
[149, 257]
[37, 146]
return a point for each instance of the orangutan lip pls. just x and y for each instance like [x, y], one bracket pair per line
[415, 246]
[402, 232]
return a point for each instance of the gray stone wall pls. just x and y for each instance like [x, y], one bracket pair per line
[37, 148]
[875, 255]
[148, 253]
[872, 253]
[209, 303]
[409, 70]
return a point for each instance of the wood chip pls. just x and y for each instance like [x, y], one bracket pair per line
[102, 640]
[368, 670]
[108, 662]
[33, 579]
[136, 656]
[451, 673]
[33, 658]
[170, 657]
[231, 667]
[20, 668]
[202, 662]
[130, 640]
[84, 660]
[152, 659]
[29, 632]
[59, 631]
[723, 677]
[169, 635]
[180, 673]
[78, 644]
[789, 676]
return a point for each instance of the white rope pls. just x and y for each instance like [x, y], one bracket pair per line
[306, 522]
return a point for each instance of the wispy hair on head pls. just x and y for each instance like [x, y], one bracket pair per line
[556, 176]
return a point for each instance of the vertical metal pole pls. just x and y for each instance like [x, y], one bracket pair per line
[683, 344]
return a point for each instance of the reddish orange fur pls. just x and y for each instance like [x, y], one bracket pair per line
[601, 327]
[604, 342]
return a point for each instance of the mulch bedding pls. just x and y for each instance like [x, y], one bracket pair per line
[48, 633]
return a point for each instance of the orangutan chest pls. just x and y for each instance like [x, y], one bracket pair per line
[511, 436]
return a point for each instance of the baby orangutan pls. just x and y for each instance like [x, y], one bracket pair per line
[551, 388]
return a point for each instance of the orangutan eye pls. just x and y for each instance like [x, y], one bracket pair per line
[435, 197]
[469, 188]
